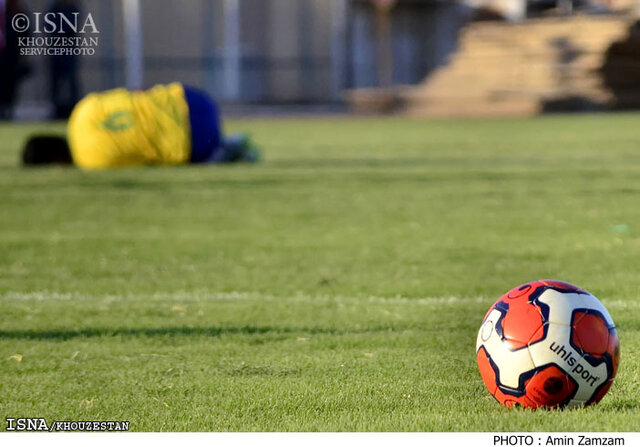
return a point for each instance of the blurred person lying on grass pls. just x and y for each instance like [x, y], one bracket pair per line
[165, 125]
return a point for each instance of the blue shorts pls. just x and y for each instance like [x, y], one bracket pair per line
[205, 124]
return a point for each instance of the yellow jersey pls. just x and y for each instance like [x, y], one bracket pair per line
[124, 128]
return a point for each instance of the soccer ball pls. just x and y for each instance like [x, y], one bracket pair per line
[547, 344]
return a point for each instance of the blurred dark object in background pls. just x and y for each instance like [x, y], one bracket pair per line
[621, 70]
[63, 69]
[566, 7]
[13, 67]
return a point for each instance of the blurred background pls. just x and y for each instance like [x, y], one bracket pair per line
[410, 57]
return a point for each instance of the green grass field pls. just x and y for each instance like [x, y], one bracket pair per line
[337, 286]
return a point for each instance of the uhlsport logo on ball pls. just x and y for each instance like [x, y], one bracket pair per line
[547, 344]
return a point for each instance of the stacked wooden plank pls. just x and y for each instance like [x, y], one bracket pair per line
[524, 68]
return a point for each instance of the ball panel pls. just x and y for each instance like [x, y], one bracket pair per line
[539, 335]
[509, 365]
[589, 333]
[510, 398]
[486, 370]
[519, 291]
[560, 305]
[521, 323]
[590, 377]
[597, 397]
[613, 349]
[554, 348]
[551, 387]
[564, 286]
[575, 403]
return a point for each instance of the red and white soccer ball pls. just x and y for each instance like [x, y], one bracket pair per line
[547, 344]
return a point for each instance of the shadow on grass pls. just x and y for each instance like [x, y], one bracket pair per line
[67, 334]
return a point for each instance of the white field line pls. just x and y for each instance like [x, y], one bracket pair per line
[204, 296]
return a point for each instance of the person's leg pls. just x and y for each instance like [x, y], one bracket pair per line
[235, 148]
